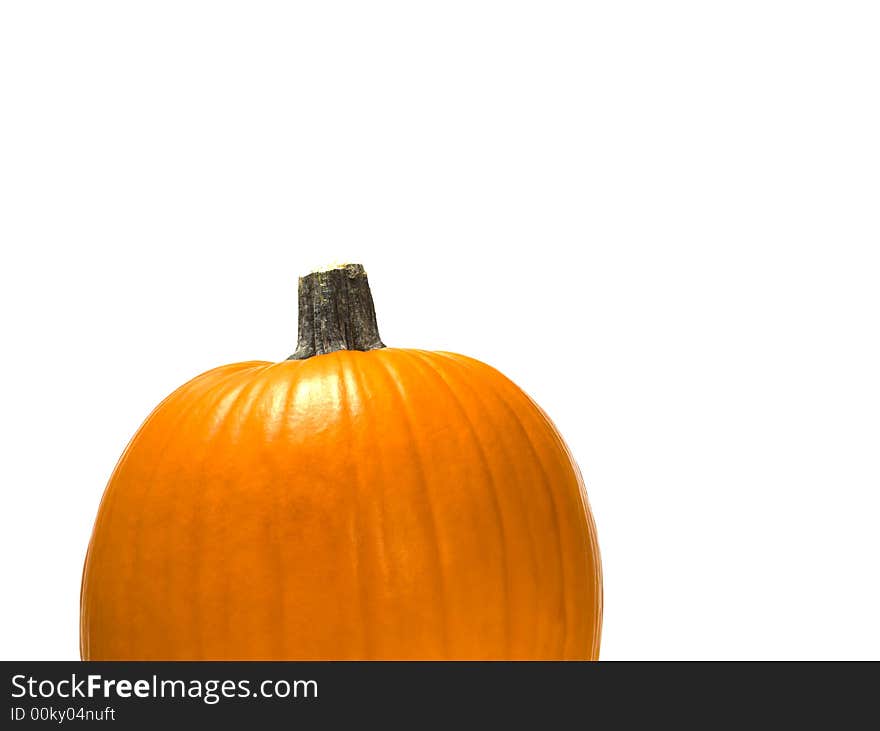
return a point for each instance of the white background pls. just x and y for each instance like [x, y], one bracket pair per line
[661, 219]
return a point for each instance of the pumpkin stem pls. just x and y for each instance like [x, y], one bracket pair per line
[336, 313]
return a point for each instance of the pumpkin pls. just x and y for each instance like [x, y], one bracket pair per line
[351, 502]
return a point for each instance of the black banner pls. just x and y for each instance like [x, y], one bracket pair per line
[413, 695]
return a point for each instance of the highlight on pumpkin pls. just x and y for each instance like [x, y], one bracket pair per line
[353, 502]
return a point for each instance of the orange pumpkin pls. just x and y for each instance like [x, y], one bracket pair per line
[352, 502]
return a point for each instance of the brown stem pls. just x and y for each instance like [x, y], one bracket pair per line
[336, 313]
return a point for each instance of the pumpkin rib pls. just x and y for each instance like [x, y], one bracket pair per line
[588, 523]
[187, 574]
[465, 372]
[274, 613]
[549, 431]
[243, 430]
[285, 428]
[274, 540]
[230, 398]
[189, 408]
[566, 597]
[492, 485]
[354, 506]
[351, 373]
[107, 507]
[176, 395]
[597, 573]
[200, 403]
[388, 569]
[379, 516]
[467, 365]
[583, 516]
[244, 406]
[487, 414]
[490, 415]
[218, 408]
[249, 423]
[394, 378]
